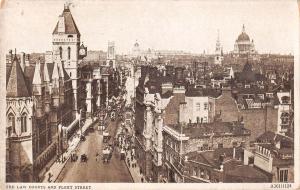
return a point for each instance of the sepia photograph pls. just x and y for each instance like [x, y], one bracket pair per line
[149, 92]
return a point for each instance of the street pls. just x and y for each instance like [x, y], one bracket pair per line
[92, 170]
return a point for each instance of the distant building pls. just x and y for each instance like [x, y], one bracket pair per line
[243, 47]
[218, 52]
[111, 55]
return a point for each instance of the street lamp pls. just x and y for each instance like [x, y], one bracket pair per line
[80, 122]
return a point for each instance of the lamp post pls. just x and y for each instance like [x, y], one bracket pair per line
[80, 122]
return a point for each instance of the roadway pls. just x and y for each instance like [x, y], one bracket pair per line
[94, 171]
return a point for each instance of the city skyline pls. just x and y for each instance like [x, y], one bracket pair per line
[153, 27]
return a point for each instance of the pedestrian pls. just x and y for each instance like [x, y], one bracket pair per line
[97, 154]
[142, 179]
[49, 177]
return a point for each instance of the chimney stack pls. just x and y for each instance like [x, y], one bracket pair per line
[182, 112]
[10, 56]
[27, 57]
[233, 155]
[179, 73]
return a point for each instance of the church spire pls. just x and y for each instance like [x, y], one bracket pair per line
[46, 73]
[16, 85]
[243, 30]
[37, 74]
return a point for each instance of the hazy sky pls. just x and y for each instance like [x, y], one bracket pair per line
[178, 25]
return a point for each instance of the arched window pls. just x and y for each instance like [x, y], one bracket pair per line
[284, 118]
[24, 123]
[285, 99]
[11, 124]
[60, 52]
[69, 53]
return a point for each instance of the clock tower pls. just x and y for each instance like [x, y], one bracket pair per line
[66, 44]
[111, 56]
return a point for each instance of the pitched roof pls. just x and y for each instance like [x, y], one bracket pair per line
[70, 25]
[244, 173]
[37, 79]
[200, 92]
[16, 85]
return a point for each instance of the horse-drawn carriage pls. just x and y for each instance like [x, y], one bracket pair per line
[83, 158]
[107, 154]
[106, 136]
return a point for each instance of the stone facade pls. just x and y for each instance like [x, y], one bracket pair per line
[42, 103]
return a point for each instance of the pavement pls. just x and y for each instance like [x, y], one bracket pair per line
[57, 167]
[134, 171]
[95, 170]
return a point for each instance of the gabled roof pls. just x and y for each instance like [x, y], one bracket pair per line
[70, 25]
[16, 85]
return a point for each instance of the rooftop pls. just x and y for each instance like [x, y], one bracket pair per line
[205, 130]
[16, 85]
[70, 25]
[203, 92]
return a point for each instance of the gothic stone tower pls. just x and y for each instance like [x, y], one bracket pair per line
[19, 113]
[111, 56]
[66, 44]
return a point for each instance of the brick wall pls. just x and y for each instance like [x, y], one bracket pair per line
[259, 121]
[254, 119]
[21, 157]
[227, 141]
[226, 104]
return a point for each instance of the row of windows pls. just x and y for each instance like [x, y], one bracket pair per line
[202, 120]
[283, 175]
[61, 51]
[206, 106]
[11, 128]
[64, 40]
[172, 144]
[220, 145]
